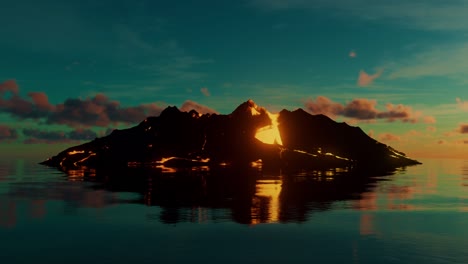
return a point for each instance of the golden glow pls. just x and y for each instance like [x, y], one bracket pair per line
[257, 164]
[76, 152]
[163, 160]
[270, 134]
[84, 159]
[254, 111]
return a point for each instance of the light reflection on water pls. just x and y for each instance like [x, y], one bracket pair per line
[404, 213]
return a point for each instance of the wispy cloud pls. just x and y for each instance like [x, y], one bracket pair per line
[446, 60]
[366, 109]
[366, 79]
[352, 54]
[425, 15]
[205, 91]
[7, 133]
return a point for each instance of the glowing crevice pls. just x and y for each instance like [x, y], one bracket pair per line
[270, 134]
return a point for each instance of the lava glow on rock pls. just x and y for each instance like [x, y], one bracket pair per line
[270, 134]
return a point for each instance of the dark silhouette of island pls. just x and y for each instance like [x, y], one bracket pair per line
[249, 135]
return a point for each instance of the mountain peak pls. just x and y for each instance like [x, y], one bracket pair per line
[170, 110]
[249, 107]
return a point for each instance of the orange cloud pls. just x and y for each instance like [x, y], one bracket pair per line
[9, 86]
[365, 110]
[191, 105]
[429, 120]
[463, 128]
[462, 104]
[389, 137]
[352, 54]
[366, 79]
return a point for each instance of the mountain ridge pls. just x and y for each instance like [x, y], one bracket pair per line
[288, 139]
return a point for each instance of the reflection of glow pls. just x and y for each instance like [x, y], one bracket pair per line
[166, 169]
[76, 152]
[257, 164]
[271, 190]
[367, 225]
[270, 134]
[76, 175]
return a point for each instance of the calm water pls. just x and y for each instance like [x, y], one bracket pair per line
[234, 215]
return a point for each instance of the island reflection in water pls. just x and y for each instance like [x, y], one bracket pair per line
[243, 194]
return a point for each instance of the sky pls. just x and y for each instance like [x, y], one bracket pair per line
[71, 71]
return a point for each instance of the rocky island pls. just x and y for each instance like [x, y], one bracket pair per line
[250, 135]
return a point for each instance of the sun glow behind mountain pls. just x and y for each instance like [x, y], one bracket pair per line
[270, 134]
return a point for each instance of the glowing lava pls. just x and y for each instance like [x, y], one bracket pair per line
[270, 134]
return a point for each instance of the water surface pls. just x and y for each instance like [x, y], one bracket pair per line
[234, 215]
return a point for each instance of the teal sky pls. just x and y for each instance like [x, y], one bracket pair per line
[344, 58]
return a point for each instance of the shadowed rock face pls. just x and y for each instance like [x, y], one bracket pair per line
[181, 139]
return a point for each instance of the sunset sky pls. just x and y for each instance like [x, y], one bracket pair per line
[73, 70]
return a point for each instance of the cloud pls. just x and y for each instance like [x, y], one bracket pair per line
[461, 142]
[191, 105]
[36, 136]
[323, 105]
[9, 86]
[425, 15]
[429, 120]
[462, 104]
[365, 109]
[7, 133]
[446, 61]
[205, 91]
[352, 54]
[389, 137]
[74, 112]
[366, 79]
[431, 129]
[463, 128]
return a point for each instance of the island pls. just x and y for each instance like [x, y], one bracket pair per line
[250, 135]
